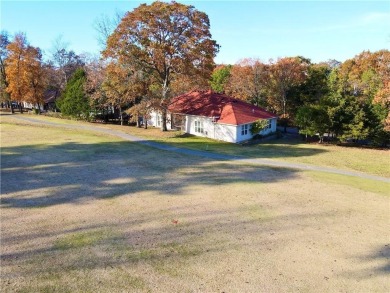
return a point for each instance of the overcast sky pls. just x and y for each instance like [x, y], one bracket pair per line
[319, 30]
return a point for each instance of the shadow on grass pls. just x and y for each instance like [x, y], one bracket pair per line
[380, 255]
[270, 148]
[46, 175]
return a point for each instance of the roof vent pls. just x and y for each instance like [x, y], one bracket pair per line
[253, 110]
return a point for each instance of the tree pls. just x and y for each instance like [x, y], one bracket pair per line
[65, 61]
[104, 26]
[382, 98]
[304, 119]
[220, 77]
[26, 75]
[312, 119]
[285, 74]
[248, 81]
[35, 75]
[168, 39]
[313, 89]
[120, 86]
[74, 101]
[17, 87]
[4, 41]
[258, 126]
[96, 74]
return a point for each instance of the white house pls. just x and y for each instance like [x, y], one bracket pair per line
[213, 115]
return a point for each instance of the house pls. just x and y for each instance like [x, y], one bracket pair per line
[49, 101]
[213, 115]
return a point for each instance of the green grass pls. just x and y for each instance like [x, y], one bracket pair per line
[353, 182]
[79, 240]
[369, 161]
[293, 150]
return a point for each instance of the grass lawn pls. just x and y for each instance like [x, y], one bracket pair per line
[371, 161]
[87, 212]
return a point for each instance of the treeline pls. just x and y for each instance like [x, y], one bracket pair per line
[27, 77]
[348, 100]
[160, 50]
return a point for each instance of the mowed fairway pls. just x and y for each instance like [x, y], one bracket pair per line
[87, 212]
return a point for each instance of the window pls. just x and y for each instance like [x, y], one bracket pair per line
[269, 124]
[158, 120]
[244, 129]
[198, 126]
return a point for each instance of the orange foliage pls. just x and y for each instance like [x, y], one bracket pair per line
[26, 75]
[248, 80]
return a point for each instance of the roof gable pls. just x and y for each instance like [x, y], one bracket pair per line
[223, 108]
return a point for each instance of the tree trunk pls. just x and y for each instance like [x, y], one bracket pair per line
[164, 120]
[120, 115]
[21, 108]
[146, 123]
[284, 112]
[12, 108]
[165, 91]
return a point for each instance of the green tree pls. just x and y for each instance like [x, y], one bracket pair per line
[314, 88]
[305, 119]
[168, 39]
[258, 126]
[74, 101]
[313, 120]
[220, 77]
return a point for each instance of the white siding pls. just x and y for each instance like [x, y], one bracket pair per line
[224, 132]
[31, 106]
[246, 135]
[211, 130]
[156, 121]
[243, 137]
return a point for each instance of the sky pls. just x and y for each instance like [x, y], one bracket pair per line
[318, 30]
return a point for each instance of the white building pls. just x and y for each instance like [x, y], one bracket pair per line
[216, 116]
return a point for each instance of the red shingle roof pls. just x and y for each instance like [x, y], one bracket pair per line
[225, 109]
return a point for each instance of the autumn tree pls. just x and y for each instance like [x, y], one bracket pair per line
[382, 98]
[248, 81]
[96, 74]
[120, 86]
[168, 39]
[285, 73]
[357, 109]
[35, 75]
[4, 41]
[25, 72]
[17, 87]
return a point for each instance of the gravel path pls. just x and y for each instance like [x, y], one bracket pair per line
[205, 154]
